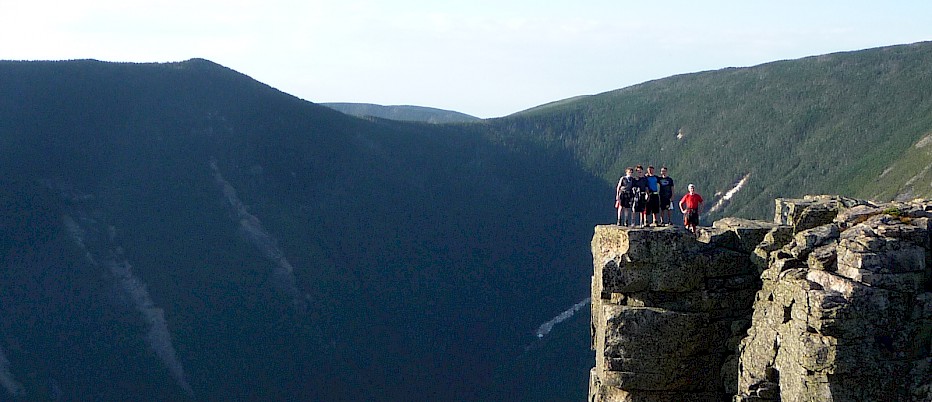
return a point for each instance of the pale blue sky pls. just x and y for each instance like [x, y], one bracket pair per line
[485, 58]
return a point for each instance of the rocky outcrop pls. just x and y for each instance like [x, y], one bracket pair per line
[830, 302]
[668, 310]
[844, 310]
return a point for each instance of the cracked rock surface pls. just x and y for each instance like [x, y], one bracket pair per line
[830, 302]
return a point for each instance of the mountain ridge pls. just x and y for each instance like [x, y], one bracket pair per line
[394, 258]
[739, 116]
[428, 254]
[402, 112]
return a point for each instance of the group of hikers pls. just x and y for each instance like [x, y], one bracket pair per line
[640, 196]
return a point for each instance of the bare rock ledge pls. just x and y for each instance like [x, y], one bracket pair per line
[830, 302]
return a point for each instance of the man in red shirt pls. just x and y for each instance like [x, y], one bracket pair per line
[689, 206]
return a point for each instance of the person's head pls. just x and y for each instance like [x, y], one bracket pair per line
[663, 171]
[650, 170]
[629, 171]
[692, 188]
[639, 170]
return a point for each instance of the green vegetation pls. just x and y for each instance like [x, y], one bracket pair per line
[425, 250]
[402, 113]
[825, 124]
[428, 252]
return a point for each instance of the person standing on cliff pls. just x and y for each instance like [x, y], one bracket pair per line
[690, 205]
[639, 199]
[624, 193]
[666, 197]
[653, 198]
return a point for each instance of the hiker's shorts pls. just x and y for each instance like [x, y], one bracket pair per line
[665, 204]
[653, 203]
[625, 200]
[691, 218]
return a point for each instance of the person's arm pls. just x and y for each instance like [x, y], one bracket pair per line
[682, 210]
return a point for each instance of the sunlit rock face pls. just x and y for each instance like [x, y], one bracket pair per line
[830, 302]
[669, 308]
[844, 311]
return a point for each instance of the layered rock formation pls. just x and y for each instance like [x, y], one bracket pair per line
[831, 301]
[668, 310]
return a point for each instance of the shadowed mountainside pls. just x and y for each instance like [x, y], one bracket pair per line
[287, 250]
[182, 231]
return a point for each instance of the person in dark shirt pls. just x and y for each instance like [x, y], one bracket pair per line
[666, 197]
[624, 194]
[639, 203]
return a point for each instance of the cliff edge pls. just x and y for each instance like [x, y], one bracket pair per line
[832, 301]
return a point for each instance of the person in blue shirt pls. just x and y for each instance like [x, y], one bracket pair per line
[653, 198]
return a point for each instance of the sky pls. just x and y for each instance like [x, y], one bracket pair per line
[484, 58]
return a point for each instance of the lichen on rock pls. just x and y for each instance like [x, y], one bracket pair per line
[830, 302]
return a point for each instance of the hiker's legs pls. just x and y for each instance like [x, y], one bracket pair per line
[653, 208]
[693, 221]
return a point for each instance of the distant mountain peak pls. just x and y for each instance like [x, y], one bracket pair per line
[402, 112]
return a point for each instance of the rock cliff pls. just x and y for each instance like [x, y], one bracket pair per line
[830, 302]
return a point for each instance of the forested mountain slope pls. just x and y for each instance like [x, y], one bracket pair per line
[402, 112]
[850, 123]
[180, 230]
